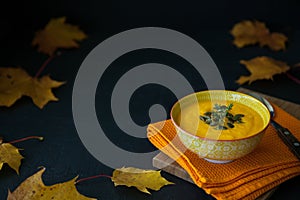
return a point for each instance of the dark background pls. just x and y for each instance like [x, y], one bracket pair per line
[208, 22]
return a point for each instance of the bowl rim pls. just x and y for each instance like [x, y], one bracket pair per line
[221, 140]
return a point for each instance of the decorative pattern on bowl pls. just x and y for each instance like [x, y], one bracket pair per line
[219, 151]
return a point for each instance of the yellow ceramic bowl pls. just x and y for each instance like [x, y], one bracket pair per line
[214, 149]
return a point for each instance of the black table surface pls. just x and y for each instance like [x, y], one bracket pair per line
[62, 152]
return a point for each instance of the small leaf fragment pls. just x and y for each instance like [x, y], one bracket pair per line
[16, 82]
[57, 34]
[221, 127]
[262, 68]
[33, 188]
[230, 125]
[141, 179]
[10, 154]
[255, 32]
[219, 116]
[238, 116]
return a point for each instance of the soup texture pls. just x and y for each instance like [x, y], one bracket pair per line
[189, 120]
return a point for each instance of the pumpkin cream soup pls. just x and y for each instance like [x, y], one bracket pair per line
[220, 120]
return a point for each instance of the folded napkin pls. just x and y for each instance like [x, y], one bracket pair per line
[270, 164]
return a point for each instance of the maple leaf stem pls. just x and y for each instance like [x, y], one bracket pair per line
[293, 78]
[26, 138]
[92, 177]
[44, 65]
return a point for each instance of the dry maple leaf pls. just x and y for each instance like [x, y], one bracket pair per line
[141, 179]
[262, 68]
[10, 154]
[57, 34]
[33, 188]
[252, 32]
[15, 82]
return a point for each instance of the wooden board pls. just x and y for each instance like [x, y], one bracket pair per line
[163, 162]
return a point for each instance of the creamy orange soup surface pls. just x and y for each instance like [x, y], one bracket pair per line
[189, 120]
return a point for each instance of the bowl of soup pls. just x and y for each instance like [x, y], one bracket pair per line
[220, 125]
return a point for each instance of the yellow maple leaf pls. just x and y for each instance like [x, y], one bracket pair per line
[57, 34]
[15, 82]
[252, 32]
[141, 179]
[33, 188]
[262, 68]
[10, 154]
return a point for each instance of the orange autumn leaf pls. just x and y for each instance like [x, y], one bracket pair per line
[262, 68]
[15, 83]
[10, 155]
[139, 178]
[33, 188]
[254, 32]
[57, 34]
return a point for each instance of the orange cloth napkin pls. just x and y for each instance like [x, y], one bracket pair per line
[270, 164]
